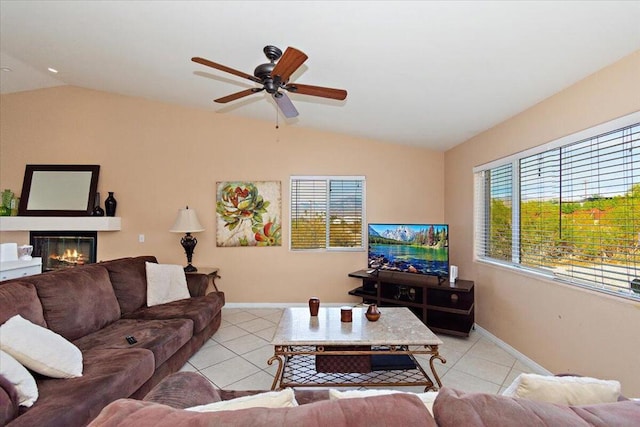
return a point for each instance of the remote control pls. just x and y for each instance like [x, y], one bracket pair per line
[131, 340]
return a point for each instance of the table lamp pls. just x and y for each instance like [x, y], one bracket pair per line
[187, 222]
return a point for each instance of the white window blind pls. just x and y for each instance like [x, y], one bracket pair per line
[495, 190]
[575, 210]
[327, 213]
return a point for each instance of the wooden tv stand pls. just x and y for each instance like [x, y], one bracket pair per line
[443, 306]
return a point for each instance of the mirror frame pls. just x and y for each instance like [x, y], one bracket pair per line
[27, 190]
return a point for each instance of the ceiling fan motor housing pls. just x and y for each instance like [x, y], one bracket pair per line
[272, 52]
[264, 70]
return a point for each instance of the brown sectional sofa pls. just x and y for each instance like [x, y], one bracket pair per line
[95, 307]
[451, 408]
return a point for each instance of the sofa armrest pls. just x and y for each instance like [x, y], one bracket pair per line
[183, 390]
[197, 284]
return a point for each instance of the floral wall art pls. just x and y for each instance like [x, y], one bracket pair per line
[248, 213]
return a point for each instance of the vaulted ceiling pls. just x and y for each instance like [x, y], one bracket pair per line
[431, 74]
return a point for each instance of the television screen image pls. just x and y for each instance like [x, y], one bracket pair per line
[410, 248]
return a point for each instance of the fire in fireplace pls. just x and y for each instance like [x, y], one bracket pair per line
[64, 249]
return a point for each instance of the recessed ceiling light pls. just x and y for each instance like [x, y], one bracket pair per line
[53, 70]
[6, 69]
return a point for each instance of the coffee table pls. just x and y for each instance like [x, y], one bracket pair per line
[299, 338]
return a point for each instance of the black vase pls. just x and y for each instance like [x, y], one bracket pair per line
[110, 204]
[97, 210]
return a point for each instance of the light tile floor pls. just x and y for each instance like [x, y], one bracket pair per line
[236, 356]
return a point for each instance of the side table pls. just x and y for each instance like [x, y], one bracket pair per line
[211, 273]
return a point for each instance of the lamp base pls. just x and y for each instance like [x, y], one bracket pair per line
[189, 242]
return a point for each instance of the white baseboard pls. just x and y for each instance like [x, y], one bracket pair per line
[538, 369]
[535, 367]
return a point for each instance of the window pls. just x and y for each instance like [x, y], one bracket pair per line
[327, 213]
[569, 209]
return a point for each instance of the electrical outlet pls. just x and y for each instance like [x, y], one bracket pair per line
[140, 238]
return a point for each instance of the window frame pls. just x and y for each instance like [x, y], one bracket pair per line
[482, 195]
[328, 179]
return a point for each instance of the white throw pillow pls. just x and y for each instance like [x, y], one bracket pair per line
[21, 379]
[40, 349]
[564, 390]
[165, 283]
[427, 397]
[272, 399]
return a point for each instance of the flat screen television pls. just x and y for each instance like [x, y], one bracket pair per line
[409, 248]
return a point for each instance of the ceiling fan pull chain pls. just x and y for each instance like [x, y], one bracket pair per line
[277, 126]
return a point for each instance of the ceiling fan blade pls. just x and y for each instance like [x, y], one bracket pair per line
[225, 69]
[237, 95]
[285, 105]
[290, 61]
[324, 92]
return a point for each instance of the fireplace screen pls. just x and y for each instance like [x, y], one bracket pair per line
[64, 249]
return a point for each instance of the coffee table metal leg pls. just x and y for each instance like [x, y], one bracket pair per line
[278, 377]
[441, 359]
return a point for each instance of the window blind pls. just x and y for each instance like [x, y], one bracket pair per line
[495, 190]
[308, 213]
[345, 214]
[540, 209]
[327, 213]
[600, 220]
[574, 211]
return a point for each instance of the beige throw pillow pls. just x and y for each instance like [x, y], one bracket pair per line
[427, 397]
[272, 399]
[165, 283]
[40, 349]
[564, 390]
[21, 379]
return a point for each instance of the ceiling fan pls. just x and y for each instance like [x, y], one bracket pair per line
[274, 78]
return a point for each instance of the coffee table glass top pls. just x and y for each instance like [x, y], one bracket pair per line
[396, 326]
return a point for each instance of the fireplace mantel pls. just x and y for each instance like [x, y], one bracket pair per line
[68, 223]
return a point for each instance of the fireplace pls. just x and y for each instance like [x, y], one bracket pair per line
[64, 249]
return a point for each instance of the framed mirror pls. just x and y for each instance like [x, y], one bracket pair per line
[59, 190]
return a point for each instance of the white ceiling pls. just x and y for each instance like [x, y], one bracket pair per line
[429, 74]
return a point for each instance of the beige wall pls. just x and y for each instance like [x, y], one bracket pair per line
[158, 158]
[563, 328]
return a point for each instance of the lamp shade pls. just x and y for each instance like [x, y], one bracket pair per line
[186, 222]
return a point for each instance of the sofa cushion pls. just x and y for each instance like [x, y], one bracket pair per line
[564, 390]
[390, 410]
[22, 380]
[163, 337]
[183, 390]
[129, 280]
[455, 408]
[165, 283]
[109, 374]
[201, 310]
[20, 298]
[77, 301]
[40, 349]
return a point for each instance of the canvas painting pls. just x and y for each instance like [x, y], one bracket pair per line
[248, 213]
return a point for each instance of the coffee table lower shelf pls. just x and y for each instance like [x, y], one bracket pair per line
[297, 368]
